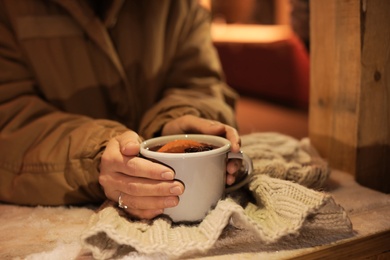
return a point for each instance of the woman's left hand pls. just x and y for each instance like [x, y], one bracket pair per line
[190, 124]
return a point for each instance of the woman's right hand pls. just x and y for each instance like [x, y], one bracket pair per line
[145, 187]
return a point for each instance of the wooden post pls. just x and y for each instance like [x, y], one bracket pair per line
[349, 116]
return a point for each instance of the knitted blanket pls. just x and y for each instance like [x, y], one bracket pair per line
[279, 203]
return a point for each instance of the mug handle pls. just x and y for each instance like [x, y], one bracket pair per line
[248, 165]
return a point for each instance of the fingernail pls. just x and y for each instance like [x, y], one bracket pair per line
[236, 146]
[176, 190]
[230, 179]
[170, 202]
[167, 175]
[129, 145]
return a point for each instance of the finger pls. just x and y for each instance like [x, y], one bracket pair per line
[234, 138]
[144, 214]
[193, 124]
[113, 161]
[230, 179]
[202, 125]
[143, 168]
[216, 128]
[116, 183]
[142, 187]
[134, 203]
[233, 166]
[129, 143]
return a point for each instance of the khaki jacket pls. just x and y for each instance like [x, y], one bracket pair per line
[70, 81]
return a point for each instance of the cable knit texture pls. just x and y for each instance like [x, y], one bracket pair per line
[280, 201]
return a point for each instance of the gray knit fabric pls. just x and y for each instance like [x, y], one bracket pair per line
[286, 158]
[276, 204]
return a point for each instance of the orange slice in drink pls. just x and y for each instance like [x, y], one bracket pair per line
[178, 146]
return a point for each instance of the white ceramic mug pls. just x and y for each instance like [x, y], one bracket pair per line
[202, 173]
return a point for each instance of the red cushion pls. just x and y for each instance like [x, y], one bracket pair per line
[276, 69]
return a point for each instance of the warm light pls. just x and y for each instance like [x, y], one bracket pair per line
[249, 33]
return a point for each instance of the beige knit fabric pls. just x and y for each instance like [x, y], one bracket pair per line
[277, 205]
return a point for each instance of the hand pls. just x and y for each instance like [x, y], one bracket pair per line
[146, 187]
[192, 124]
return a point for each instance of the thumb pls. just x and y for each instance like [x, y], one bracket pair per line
[129, 143]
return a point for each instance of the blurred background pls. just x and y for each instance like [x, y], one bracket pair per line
[264, 48]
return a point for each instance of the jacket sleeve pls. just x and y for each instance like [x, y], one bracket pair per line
[194, 83]
[47, 157]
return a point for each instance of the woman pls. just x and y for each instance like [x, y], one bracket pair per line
[82, 82]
